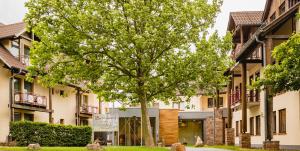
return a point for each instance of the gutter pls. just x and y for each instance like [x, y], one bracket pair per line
[265, 92]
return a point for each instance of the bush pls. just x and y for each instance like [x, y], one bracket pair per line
[45, 134]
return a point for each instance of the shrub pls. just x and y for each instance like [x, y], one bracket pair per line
[45, 134]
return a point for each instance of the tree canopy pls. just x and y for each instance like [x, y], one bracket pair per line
[132, 51]
[284, 75]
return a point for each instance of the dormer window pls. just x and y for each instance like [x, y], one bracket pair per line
[282, 8]
[273, 16]
[15, 48]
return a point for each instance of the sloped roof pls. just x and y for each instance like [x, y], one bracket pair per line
[10, 60]
[11, 30]
[267, 9]
[244, 18]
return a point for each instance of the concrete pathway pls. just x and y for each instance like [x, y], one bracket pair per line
[204, 149]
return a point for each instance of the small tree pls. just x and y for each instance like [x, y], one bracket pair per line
[284, 75]
[131, 51]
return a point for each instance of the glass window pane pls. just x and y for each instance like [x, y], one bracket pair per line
[17, 84]
[28, 86]
[17, 116]
[15, 49]
[28, 117]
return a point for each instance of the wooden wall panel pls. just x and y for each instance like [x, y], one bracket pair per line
[168, 126]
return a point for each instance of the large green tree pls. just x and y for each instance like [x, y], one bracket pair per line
[132, 51]
[284, 75]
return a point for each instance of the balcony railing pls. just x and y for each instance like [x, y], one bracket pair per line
[86, 109]
[30, 99]
[252, 96]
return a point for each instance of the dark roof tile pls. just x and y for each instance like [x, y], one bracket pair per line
[11, 29]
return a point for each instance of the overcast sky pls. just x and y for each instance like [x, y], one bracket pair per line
[12, 11]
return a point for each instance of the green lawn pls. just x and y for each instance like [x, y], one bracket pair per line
[236, 148]
[84, 149]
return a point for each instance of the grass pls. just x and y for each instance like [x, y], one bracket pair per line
[84, 149]
[236, 148]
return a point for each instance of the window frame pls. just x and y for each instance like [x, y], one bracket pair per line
[210, 103]
[282, 121]
[274, 125]
[221, 99]
[273, 17]
[26, 115]
[237, 128]
[19, 114]
[251, 126]
[282, 6]
[257, 125]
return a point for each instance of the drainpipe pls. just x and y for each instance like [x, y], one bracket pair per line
[11, 99]
[265, 92]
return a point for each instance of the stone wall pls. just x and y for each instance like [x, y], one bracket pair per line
[229, 136]
[245, 140]
[271, 145]
[214, 137]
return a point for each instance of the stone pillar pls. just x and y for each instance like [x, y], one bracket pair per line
[229, 136]
[271, 145]
[245, 140]
[214, 129]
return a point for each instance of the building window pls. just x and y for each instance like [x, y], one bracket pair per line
[28, 117]
[237, 128]
[221, 101]
[251, 95]
[210, 102]
[61, 92]
[257, 91]
[25, 58]
[175, 105]
[251, 125]
[15, 48]
[282, 121]
[17, 84]
[84, 122]
[17, 116]
[85, 100]
[274, 123]
[293, 2]
[257, 122]
[282, 8]
[61, 121]
[273, 17]
[241, 126]
[28, 87]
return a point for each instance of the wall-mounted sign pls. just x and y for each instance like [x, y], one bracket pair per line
[105, 122]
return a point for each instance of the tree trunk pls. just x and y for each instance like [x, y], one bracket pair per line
[146, 126]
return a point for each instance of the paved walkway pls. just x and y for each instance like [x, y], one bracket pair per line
[204, 149]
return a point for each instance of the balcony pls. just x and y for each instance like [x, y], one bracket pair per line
[86, 109]
[30, 101]
[253, 98]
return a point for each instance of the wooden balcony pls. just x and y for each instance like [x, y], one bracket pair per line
[89, 110]
[30, 101]
[253, 98]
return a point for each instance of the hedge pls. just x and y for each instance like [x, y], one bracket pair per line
[45, 134]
